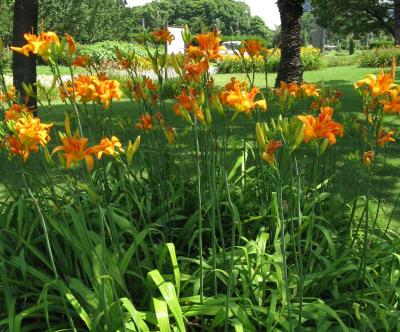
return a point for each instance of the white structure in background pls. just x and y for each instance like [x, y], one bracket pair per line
[177, 45]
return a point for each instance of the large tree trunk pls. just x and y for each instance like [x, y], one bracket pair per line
[25, 20]
[290, 69]
[397, 21]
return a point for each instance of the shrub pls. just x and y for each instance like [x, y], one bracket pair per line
[105, 51]
[379, 57]
[310, 57]
[382, 43]
[339, 60]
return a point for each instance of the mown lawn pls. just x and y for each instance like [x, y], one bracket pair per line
[124, 116]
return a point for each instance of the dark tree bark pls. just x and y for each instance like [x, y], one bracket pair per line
[25, 20]
[290, 69]
[397, 22]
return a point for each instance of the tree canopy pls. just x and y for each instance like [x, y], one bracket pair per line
[96, 20]
[355, 16]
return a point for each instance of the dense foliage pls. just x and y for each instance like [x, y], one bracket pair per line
[230, 211]
[379, 57]
[98, 20]
[355, 16]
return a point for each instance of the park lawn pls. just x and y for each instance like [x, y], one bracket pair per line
[124, 115]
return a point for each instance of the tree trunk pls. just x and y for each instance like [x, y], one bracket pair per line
[24, 69]
[290, 69]
[397, 22]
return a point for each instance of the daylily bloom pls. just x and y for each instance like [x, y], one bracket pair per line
[163, 36]
[144, 122]
[252, 47]
[236, 96]
[322, 127]
[209, 44]
[309, 90]
[16, 111]
[292, 89]
[9, 95]
[81, 61]
[189, 103]
[194, 71]
[376, 85]
[107, 147]
[75, 150]
[37, 44]
[385, 137]
[269, 152]
[71, 44]
[392, 105]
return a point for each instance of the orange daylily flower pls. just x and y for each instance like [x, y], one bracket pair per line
[9, 95]
[209, 44]
[37, 44]
[16, 111]
[269, 152]
[392, 105]
[144, 122]
[376, 85]
[252, 47]
[75, 150]
[71, 44]
[322, 127]
[189, 103]
[309, 90]
[291, 89]
[92, 88]
[107, 147]
[163, 36]
[236, 96]
[193, 52]
[385, 137]
[81, 61]
[194, 71]
[29, 134]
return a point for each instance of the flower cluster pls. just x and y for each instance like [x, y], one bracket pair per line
[27, 134]
[296, 90]
[237, 96]
[75, 149]
[92, 88]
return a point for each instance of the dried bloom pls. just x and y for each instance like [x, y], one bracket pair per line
[385, 137]
[368, 157]
[269, 152]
